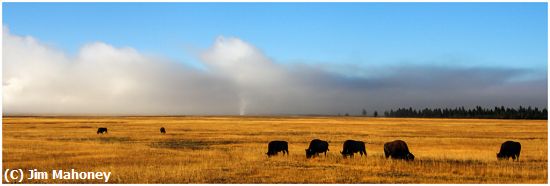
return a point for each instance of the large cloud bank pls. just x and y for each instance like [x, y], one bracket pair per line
[238, 79]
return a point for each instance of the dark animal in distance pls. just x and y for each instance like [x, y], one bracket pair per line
[351, 147]
[398, 149]
[162, 130]
[101, 130]
[275, 147]
[317, 146]
[509, 149]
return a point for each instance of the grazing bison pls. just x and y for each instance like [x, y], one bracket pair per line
[509, 149]
[275, 147]
[351, 147]
[317, 146]
[101, 130]
[162, 130]
[398, 149]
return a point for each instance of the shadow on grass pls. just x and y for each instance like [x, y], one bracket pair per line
[100, 139]
[190, 144]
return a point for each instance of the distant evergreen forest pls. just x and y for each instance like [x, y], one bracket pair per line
[477, 112]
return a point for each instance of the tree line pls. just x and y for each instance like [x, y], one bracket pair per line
[477, 112]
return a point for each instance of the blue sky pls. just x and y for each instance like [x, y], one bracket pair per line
[271, 58]
[364, 34]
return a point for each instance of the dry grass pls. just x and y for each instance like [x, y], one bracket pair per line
[232, 149]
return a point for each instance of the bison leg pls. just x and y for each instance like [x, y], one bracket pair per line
[325, 153]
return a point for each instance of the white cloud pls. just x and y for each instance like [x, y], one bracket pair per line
[103, 79]
[239, 79]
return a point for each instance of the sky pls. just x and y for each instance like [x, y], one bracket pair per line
[270, 58]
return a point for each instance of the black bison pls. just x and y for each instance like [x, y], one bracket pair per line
[317, 146]
[275, 147]
[351, 147]
[162, 130]
[509, 149]
[398, 149]
[101, 130]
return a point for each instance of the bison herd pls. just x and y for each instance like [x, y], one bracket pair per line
[397, 149]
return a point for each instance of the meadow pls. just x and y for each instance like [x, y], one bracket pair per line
[227, 149]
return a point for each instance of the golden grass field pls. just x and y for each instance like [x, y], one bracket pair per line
[232, 149]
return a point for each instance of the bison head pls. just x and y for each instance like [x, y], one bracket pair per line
[500, 156]
[409, 157]
[309, 153]
[344, 154]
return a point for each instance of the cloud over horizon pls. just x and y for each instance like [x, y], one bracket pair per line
[239, 79]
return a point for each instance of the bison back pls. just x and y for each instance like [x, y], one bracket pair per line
[275, 146]
[510, 148]
[352, 146]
